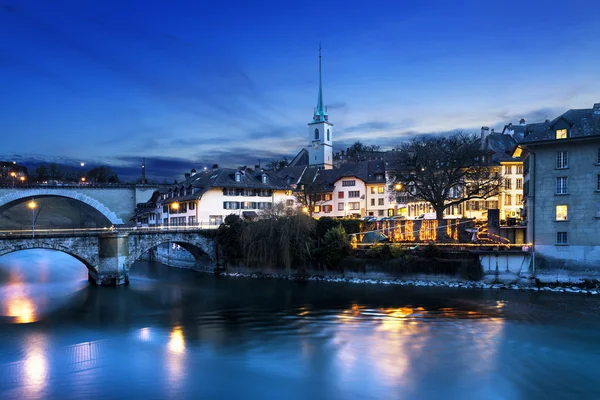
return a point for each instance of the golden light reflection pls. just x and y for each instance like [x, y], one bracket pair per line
[17, 304]
[22, 309]
[177, 342]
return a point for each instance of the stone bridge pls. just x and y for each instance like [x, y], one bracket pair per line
[116, 202]
[109, 255]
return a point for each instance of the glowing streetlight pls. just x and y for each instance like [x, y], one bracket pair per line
[22, 179]
[32, 205]
[305, 209]
[13, 174]
[83, 179]
[82, 164]
[398, 187]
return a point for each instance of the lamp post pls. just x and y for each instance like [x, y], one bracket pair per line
[22, 179]
[13, 174]
[32, 205]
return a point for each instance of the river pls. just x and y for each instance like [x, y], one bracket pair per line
[179, 334]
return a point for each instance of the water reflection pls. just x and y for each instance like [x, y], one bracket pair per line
[159, 335]
[175, 359]
[35, 365]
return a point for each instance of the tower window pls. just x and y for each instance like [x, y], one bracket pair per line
[316, 134]
[328, 137]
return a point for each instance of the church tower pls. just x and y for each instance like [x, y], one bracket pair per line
[320, 132]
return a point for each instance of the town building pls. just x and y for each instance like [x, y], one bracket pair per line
[12, 173]
[562, 188]
[205, 198]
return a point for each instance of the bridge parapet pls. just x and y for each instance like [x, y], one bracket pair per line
[109, 254]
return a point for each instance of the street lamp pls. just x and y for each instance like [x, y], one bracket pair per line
[22, 179]
[398, 187]
[13, 174]
[32, 205]
[82, 180]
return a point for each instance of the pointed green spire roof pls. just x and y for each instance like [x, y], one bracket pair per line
[320, 112]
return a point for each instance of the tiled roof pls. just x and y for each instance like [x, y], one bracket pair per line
[583, 123]
[501, 145]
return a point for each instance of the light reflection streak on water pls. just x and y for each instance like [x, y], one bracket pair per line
[175, 357]
[35, 375]
[17, 302]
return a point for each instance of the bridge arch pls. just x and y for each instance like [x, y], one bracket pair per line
[70, 193]
[197, 245]
[86, 260]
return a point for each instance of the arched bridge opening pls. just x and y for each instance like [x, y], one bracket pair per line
[38, 205]
[175, 250]
[88, 260]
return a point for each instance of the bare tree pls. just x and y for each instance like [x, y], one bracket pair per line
[310, 195]
[446, 171]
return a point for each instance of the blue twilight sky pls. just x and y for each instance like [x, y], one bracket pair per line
[190, 83]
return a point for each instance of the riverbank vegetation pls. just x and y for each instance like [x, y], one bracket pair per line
[299, 243]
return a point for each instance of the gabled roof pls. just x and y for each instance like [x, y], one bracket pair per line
[301, 159]
[501, 146]
[583, 123]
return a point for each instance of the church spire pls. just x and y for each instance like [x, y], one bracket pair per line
[320, 111]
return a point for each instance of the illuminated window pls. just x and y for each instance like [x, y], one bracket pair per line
[508, 169]
[381, 189]
[372, 189]
[519, 199]
[561, 133]
[562, 238]
[507, 200]
[519, 169]
[519, 183]
[561, 212]
[562, 160]
[317, 209]
[561, 185]
[507, 184]
[354, 206]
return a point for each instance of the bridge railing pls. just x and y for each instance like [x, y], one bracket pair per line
[29, 233]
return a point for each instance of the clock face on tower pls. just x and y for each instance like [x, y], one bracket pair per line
[316, 144]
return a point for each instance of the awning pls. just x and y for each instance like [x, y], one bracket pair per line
[250, 214]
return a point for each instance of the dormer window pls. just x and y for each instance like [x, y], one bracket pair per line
[238, 176]
[288, 180]
[561, 133]
[316, 134]
[265, 178]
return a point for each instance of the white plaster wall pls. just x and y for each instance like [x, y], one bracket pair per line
[335, 201]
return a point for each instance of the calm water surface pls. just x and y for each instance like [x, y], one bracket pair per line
[177, 334]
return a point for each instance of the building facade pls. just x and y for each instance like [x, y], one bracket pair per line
[562, 188]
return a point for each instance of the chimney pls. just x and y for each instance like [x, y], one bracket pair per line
[485, 131]
[187, 175]
[193, 172]
[522, 121]
[596, 109]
